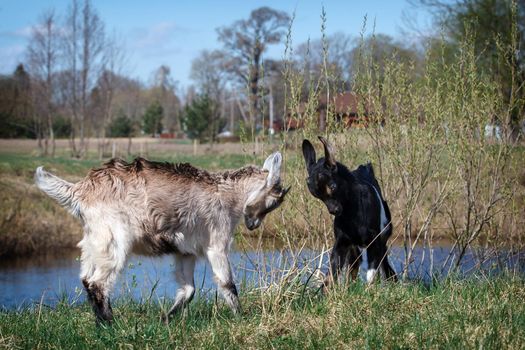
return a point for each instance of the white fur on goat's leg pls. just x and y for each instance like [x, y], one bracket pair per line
[104, 252]
[371, 275]
[184, 271]
[224, 278]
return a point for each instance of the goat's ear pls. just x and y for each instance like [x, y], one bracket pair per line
[329, 158]
[308, 154]
[273, 165]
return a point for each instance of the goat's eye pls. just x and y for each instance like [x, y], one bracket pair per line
[333, 187]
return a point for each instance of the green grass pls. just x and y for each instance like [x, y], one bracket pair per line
[474, 313]
[25, 165]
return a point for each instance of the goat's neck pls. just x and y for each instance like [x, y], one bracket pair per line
[348, 185]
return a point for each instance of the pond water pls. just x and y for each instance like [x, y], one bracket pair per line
[49, 279]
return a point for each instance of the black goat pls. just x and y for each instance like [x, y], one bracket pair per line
[362, 217]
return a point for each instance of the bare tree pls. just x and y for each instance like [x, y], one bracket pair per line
[208, 72]
[310, 55]
[107, 84]
[163, 90]
[245, 41]
[84, 43]
[42, 57]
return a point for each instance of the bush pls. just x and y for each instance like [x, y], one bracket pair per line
[121, 126]
[62, 126]
[152, 119]
[197, 117]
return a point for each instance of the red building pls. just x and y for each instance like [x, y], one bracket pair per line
[345, 108]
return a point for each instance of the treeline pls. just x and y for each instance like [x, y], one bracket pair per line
[72, 82]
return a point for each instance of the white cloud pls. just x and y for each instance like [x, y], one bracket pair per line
[159, 35]
[20, 33]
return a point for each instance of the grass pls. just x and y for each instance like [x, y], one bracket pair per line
[466, 314]
[24, 165]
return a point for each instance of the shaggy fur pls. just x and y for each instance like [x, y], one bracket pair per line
[361, 215]
[161, 208]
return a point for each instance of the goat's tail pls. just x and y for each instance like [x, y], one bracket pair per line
[58, 189]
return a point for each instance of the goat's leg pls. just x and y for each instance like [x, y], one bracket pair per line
[184, 271]
[102, 258]
[387, 269]
[353, 261]
[338, 259]
[223, 276]
[377, 256]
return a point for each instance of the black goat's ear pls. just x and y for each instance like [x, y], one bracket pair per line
[308, 154]
[329, 158]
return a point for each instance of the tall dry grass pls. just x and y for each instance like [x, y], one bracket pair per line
[443, 177]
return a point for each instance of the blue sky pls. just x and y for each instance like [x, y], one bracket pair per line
[173, 32]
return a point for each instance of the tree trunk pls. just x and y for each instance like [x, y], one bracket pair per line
[51, 133]
[254, 90]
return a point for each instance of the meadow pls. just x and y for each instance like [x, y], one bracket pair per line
[475, 313]
[443, 177]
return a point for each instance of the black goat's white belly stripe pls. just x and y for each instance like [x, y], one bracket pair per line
[384, 220]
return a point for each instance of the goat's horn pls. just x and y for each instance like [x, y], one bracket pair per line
[328, 152]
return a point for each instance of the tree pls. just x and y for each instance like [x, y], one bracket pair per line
[339, 47]
[43, 52]
[120, 126]
[83, 48]
[152, 119]
[163, 90]
[496, 28]
[207, 70]
[107, 84]
[61, 126]
[381, 48]
[16, 106]
[197, 116]
[245, 41]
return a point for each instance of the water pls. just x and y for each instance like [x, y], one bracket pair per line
[49, 279]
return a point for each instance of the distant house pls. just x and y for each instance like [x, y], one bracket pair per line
[343, 107]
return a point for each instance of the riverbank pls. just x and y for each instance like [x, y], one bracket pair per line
[461, 314]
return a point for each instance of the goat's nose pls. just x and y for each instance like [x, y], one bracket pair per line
[252, 223]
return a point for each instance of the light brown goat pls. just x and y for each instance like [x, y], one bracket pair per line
[161, 208]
